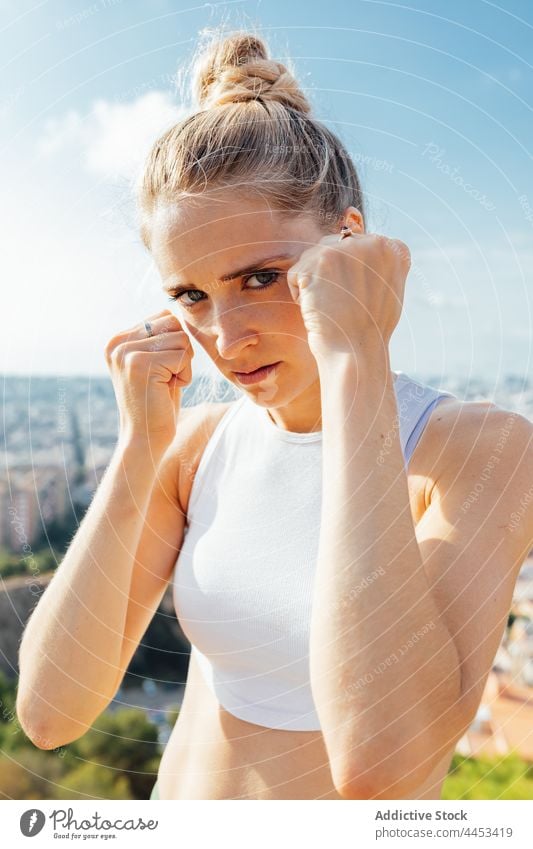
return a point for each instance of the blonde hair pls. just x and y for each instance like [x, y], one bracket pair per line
[251, 130]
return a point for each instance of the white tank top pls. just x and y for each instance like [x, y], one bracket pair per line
[243, 581]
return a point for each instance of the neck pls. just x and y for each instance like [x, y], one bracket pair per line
[304, 413]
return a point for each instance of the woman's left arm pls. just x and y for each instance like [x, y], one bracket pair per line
[385, 672]
[405, 621]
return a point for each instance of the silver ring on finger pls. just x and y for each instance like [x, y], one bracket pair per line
[148, 328]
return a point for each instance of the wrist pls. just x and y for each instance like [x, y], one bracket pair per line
[145, 445]
[341, 366]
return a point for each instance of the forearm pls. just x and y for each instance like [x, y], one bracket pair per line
[382, 694]
[70, 650]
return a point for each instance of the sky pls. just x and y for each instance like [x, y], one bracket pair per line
[433, 100]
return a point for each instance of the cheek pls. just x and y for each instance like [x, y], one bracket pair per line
[283, 317]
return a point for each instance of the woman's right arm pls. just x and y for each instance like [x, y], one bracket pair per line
[71, 655]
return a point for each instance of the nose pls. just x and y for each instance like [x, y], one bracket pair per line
[235, 329]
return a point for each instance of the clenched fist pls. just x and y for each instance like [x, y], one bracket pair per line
[148, 374]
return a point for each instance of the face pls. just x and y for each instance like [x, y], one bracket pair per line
[226, 262]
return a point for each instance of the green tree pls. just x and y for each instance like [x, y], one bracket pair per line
[124, 744]
[91, 781]
[509, 777]
[7, 696]
[30, 773]
[39, 562]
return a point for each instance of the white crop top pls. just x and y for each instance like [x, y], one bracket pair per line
[243, 581]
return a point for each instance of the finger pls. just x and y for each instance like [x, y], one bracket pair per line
[397, 245]
[292, 282]
[174, 364]
[175, 340]
[161, 322]
[185, 375]
[300, 282]
[143, 365]
[405, 253]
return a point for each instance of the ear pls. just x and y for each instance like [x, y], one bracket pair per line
[353, 218]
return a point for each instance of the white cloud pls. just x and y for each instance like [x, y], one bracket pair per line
[113, 138]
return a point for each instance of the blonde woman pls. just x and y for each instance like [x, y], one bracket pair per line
[338, 537]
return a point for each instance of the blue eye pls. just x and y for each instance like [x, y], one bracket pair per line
[265, 274]
[179, 293]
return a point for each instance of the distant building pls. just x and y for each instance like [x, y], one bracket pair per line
[21, 515]
[33, 497]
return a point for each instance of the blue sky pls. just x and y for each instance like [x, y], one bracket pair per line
[433, 100]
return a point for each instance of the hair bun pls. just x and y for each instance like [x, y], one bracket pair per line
[237, 68]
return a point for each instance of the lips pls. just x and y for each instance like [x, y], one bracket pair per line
[257, 375]
[252, 369]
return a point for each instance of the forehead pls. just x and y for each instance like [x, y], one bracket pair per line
[204, 236]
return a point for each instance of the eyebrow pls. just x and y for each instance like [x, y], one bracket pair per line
[240, 272]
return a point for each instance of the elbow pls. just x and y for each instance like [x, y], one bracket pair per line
[393, 769]
[395, 773]
[50, 738]
[374, 787]
[370, 785]
[35, 730]
[357, 777]
[401, 773]
[44, 734]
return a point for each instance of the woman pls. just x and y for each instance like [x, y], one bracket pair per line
[344, 594]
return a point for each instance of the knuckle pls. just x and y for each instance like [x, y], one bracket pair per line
[405, 252]
[116, 354]
[401, 250]
[110, 346]
[134, 362]
[171, 323]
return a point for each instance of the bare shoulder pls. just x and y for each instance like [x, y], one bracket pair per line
[194, 429]
[456, 428]
[465, 441]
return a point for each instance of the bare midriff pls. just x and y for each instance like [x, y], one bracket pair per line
[212, 754]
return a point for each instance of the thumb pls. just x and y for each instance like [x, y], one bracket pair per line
[174, 387]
